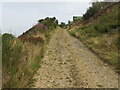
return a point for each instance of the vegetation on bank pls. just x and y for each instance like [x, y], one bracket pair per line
[100, 34]
[20, 61]
[22, 56]
[41, 30]
[62, 25]
[95, 8]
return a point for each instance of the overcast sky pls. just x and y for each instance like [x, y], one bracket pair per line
[20, 16]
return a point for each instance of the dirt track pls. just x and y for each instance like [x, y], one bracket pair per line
[69, 64]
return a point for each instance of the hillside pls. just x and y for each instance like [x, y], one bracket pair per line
[22, 56]
[100, 34]
[69, 62]
[80, 54]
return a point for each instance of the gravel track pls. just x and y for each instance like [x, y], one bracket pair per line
[70, 64]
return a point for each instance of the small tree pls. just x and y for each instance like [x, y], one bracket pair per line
[62, 25]
[96, 6]
[69, 22]
[40, 21]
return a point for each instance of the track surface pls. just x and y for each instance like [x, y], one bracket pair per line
[69, 64]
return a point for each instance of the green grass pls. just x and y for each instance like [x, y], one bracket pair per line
[19, 62]
[99, 85]
[101, 36]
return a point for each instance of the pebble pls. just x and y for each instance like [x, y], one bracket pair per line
[62, 71]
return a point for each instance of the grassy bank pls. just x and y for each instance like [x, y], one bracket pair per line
[22, 56]
[20, 62]
[101, 36]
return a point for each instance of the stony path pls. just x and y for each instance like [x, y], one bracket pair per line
[69, 64]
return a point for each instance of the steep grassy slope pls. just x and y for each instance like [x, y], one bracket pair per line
[101, 35]
[41, 31]
[20, 62]
[22, 56]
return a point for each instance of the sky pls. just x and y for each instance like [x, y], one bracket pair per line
[17, 17]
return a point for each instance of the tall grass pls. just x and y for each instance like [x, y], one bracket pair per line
[101, 36]
[22, 57]
[20, 62]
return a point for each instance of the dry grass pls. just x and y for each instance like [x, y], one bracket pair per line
[25, 60]
[101, 36]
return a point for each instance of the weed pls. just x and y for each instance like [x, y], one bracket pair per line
[99, 85]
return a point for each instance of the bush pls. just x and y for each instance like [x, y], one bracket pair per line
[96, 27]
[7, 40]
[72, 34]
[96, 7]
[51, 23]
[17, 57]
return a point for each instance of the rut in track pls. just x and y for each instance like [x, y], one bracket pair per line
[69, 64]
